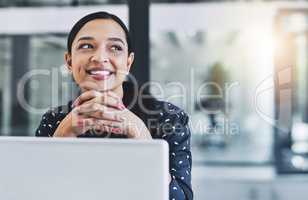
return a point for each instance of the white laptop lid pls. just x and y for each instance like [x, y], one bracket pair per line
[83, 169]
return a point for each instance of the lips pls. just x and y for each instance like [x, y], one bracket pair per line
[100, 74]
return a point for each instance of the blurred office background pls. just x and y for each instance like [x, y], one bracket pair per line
[249, 139]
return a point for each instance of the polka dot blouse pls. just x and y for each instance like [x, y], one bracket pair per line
[168, 122]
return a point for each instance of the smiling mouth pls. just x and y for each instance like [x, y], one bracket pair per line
[100, 74]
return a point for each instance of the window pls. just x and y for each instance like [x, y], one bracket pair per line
[216, 62]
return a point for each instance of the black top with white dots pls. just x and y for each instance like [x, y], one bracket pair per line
[164, 120]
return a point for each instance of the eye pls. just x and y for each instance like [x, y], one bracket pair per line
[85, 46]
[116, 48]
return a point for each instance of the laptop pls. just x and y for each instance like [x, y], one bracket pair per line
[83, 169]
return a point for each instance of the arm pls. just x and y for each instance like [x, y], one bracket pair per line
[180, 166]
[180, 160]
[49, 123]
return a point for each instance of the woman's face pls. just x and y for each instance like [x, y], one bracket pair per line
[100, 54]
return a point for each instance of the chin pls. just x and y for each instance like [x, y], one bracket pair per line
[105, 86]
[109, 84]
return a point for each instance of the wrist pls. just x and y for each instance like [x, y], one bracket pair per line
[139, 131]
[63, 132]
[65, 129]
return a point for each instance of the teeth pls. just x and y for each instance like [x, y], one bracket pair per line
[103, 73]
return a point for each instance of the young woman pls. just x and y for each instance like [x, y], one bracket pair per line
[99, 56]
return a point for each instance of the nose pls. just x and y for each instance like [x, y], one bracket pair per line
[100, 56]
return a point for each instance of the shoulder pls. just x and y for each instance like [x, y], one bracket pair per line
[174, 129]
[170, 113]
[58, 112]
[172, 120]
[51, 119]
[146, 106]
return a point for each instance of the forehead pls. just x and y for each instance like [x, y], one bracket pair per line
[101, 29]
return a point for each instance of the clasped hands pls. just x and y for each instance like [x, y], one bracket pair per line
[101, 112]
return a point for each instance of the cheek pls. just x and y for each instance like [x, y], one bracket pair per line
[122, 70]
[78, 63]
[121, 63]
[120, 67]
[78, 69]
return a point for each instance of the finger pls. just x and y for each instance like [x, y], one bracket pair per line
[90, 108]
[117, 98]
[99, 111]
[117, 131]
[90, 94]
[81, 125]
[109, 123]
[101, 126]
[108, 101]
[99, 97]
[110, 129]
[100, 130]
[90, 85]
[90, 124]
[114, 95]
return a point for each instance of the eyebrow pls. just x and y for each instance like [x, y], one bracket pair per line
[85, 38]
[116, 39]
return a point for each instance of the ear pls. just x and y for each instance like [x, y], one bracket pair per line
[130, 60]
[68, 61]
